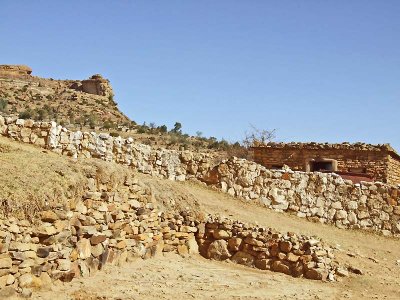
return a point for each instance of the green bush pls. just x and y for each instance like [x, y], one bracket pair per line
[91, 120]
[177, 128]
[142, 129]
[108, 125]
[41, 114]
[3, 105]
[163, 129]
[27, 114]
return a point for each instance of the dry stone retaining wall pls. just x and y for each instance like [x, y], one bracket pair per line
[104, 227]
[324, 197]
[265, 249]
[327, 198]
[112, 225]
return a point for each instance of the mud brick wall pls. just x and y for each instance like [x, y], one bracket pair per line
[374, 161]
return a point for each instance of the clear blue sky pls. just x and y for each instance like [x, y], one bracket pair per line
[314, 70]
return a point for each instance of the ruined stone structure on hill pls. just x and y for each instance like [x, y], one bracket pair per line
[357, 161]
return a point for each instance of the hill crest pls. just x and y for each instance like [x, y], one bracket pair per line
[80, 102]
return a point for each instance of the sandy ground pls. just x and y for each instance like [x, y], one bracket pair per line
[173, 277]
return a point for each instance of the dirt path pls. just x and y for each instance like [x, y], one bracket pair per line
[173, 277]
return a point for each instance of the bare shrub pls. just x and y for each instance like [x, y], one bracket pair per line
[258, 137]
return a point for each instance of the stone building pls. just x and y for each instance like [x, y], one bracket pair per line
[357, 161]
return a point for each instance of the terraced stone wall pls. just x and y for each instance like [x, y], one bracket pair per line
[104, 227]
[115, 225]
[171, 164]
[326, 198]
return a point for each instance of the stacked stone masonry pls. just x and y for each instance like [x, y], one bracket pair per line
[114, 225]
[325, 197]
[265, 249]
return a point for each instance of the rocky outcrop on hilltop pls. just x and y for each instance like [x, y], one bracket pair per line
[80, 102]
[15, 71]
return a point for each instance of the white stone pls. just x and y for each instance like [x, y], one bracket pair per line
[352, 205]
[20, 122]
[352, 218]
[341, 214]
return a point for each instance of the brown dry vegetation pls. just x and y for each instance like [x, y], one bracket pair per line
[33, 179]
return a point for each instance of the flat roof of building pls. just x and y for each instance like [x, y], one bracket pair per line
[329, 146]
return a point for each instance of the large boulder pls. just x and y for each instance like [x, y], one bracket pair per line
[218, 250]
[243, 258]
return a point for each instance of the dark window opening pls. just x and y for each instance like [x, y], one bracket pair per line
[318, 166]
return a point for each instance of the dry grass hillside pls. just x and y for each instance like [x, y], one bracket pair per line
[32, 178]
